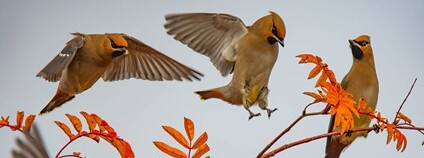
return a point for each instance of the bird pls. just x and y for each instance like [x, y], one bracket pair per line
[362, 82]
[112, 56]
[247, 52]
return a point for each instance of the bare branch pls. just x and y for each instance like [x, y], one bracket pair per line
[404, 100]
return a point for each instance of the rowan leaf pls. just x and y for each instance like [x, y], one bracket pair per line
[94, 137]
[316, 96]
[19, 119]
[176, 135]
[76, 122]
[65, 129]
[404, 117]
[128, 150]
[119, 146]
[4, 121]
[314, 72]
[76, 154]
[109, 129]
[189, 128]
[200, 141]
[321, 80]
[90, 121]
[28, 123]
[201, 151]
[171, 151]
[98, 121]
[389, 133]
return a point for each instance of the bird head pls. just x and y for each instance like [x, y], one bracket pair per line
[118, 44]
[272, 26]
[361, 47]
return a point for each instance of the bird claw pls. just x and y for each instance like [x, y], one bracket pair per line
[348, 133]
[253, 115]
[376, 128]
[269, 111]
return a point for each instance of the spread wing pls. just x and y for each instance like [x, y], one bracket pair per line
[213, 35]
[53, 70]
[30, 148]
[144, 62]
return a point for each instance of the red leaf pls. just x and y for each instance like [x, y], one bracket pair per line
[98, 121]
[28, 123]
[4, 121]
[95, 137]
[321, 80]
[200, 141]
[176, 135]
[76, 122]
[65, 129]
[189, 128]
[201, 151]
[171, 151]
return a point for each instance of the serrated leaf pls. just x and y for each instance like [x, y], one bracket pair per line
[176, 135]
[404, 117]
[200, 141]
[119, 146]
[28, 123]
[128, 150]
[90, 121]
[98, 121]
[321, 80]
[76, 122]
[171, 151]
[65, 129]
[189, 128]
[19, 119]
[201, 151]
[315, 71]
[316, 96]
[111, 132]
[94, 137]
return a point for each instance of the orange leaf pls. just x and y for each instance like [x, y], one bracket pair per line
[95, 137]
[76, 122]
[321, 80]
[28, 123]
[316, 96]
[200, 141]
[19, 119]
[110, 130]
[201, 151]
[65, 129]
[90, 121]
[119, 146]
[404, 117]
[330, 74]
[98, 121]
[176, 135]
[4, 121]
[189, 128]
[76, 154]
[314, 72]
[171, 151]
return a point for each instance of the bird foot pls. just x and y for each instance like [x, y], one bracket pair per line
[269, 111]
[376, 128]
[253, 115]
[348, 133]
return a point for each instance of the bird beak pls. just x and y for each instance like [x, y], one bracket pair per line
[351, 42]
[119, 51]
[281, 41]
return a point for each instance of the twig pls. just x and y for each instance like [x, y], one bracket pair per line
[325, 135]
[287, 130]
[404, 100]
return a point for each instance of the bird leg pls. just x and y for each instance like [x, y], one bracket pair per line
[263, 101]
[246, 100]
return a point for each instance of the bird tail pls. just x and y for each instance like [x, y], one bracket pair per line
[59, 99]
[220, 93]
[334, 149]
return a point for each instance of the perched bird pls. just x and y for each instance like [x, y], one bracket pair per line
[361, 81]
[112, 56]
[248, 52]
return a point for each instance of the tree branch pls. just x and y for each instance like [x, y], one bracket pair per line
[404, 100]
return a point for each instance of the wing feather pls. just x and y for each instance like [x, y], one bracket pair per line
[147, 63]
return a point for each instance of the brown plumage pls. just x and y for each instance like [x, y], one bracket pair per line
[111, 56]
[362, 82]
[248, 52]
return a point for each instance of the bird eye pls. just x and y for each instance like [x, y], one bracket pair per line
[274, 30]
[363, 43]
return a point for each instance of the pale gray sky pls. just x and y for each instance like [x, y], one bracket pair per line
[33, 32]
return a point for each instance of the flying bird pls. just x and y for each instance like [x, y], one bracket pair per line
[111, 56]
[249, 52]
[361, 81]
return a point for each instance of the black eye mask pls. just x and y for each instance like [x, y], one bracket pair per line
[356, 51]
